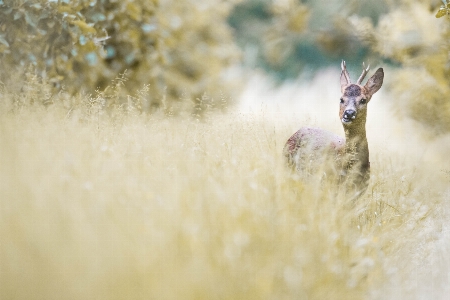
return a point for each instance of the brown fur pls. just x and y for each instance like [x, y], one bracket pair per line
[314, 146]
[352, 90]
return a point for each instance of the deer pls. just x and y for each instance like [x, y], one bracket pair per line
[347, 159]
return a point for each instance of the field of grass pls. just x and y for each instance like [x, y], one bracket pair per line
[120, 205]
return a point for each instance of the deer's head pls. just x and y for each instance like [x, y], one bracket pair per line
[355, 97]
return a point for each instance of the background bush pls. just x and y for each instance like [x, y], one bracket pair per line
[176, 52]
[178, 48]
[410, 38]
[403, 35]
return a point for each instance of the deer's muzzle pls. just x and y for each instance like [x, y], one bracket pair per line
[349, 116]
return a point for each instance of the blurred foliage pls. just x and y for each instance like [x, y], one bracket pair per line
[444, 10]
[271, 33]
[410, 36]
[177, 51]
[403, 34]
[321, 34]
[178, 48]
[341, 29]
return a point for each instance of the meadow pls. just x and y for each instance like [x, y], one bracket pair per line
[118, 204]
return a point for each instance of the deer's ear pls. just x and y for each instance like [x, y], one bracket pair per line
[375, 82]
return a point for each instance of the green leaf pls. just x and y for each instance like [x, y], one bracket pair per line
[31, 20]
[441, 12]
[17, 15]
[3, 41]
[85, 28]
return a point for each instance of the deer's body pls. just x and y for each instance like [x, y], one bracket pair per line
[347, 158]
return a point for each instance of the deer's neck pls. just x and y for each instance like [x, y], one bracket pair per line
[356, 147]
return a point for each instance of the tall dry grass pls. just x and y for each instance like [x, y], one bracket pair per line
[114, 205]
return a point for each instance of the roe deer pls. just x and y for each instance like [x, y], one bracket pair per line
[310, 147]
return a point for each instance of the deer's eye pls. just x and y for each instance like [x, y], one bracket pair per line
[342, 100]
[363, 101]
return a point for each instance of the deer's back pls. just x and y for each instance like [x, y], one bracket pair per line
[312, 144]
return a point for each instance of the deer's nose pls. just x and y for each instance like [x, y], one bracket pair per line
[350, 114]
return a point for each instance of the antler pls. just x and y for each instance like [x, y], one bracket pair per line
[345, 72]
[363, 74]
